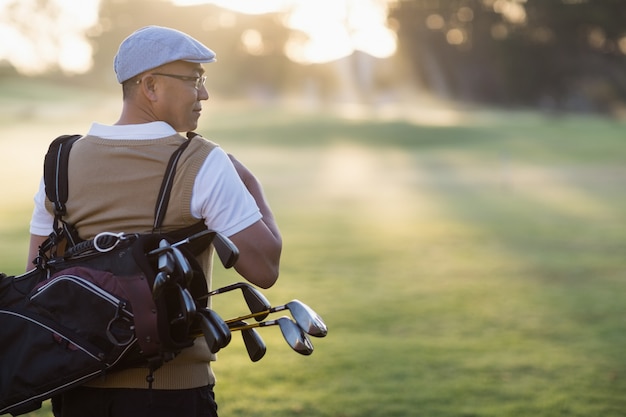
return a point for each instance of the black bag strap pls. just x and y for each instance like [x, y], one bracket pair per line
[168, 182]
[55, 171]
[55, 180]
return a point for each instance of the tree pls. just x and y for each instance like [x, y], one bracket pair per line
[569, 54]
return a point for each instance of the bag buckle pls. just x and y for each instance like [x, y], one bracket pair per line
[120, 324]
[103, 242]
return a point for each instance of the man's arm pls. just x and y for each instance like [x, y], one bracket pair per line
[260, 244]
[33, 249]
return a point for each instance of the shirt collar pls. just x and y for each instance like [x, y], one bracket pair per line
[152, 130]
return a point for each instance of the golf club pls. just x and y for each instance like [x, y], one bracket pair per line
[294, 336]
[226, 250]
[170, 260]
[304, 316]
[182, 263]
[166, 266]
[257, 303]
[166, 260]
[209, 234]
[220, 324]
[213, 334]
[189, 311]
[255, 346]
[159, 282]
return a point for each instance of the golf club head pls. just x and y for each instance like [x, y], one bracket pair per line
[189, 306]
[255, 346]
[159, 282]
[226, 250]
[166, 260]
[307, 319]
[219, 324]
[182, 265]
[256, 301]
[294, 336]
[211, 334]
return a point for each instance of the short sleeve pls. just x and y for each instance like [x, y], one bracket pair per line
[42, 220]
[221, 198]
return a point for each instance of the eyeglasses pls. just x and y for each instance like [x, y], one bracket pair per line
[198, 81]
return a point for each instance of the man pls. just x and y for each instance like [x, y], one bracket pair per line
[114, 177]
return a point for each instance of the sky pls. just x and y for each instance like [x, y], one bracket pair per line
[37, 39]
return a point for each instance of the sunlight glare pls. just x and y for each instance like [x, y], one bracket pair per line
[241, 6]
[370, 32]
[329, 44]
[337, 28]
[511, 10]
[36, 39]
[324, 30]
[253, 42]
[350, 174]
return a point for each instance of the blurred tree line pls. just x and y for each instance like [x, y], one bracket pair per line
[559, 55]
[251, 61]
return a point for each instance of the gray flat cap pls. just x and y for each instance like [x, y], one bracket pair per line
[153, 46]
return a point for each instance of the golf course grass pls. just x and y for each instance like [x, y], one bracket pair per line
[474, 267]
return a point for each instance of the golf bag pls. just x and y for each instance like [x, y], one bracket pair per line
[95, 308]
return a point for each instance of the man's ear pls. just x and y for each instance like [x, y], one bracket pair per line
[148, 87]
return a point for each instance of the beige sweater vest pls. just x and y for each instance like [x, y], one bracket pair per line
[113, 186]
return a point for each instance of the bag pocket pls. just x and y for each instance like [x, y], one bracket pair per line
[40, 358]
[84, 308]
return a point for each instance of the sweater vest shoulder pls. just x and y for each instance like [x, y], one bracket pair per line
[114, 184]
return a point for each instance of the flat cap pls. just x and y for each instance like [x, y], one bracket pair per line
[153, 46]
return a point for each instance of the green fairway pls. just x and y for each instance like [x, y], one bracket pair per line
[474, 268]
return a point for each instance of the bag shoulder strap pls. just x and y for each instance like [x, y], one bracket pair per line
[55, 171]
[168, 181]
